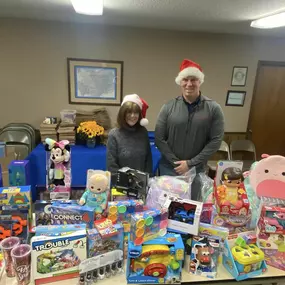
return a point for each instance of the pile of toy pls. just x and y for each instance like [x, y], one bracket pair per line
[150, 222]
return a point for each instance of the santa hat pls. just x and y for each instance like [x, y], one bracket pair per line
[189, 68]
[141, 103]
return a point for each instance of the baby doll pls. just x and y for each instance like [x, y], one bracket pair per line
[96, 194]
[231, 179]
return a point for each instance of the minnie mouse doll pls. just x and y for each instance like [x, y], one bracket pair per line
[59, 158]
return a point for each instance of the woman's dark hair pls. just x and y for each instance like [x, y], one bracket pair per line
[232, 173]
[126, 108]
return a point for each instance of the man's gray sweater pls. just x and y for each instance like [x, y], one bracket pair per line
[129, 147]
[182, 133]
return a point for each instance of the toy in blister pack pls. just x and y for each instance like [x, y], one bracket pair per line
[229, 190]
[204, 256]
[121, 211]
[242, 257]
[69, 212]
[100, 267]
[156, 261]
[131, 182]
[57, 258]
[118, 196]
[104, 238]
[183, 215]
[19, 173]
[97, 190]
[58, 169]
[148, 225]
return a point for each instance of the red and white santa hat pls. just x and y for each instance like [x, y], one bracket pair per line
[189, 68]
[141, 103]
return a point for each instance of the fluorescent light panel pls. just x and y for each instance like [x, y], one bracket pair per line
[269, 22]
[88, 7]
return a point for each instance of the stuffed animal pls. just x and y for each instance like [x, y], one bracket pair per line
[59, 157]
[96, 194]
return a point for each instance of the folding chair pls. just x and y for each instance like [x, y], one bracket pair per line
[224, 150]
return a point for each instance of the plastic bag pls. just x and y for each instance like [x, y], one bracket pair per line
[160, 187]
[204, 188]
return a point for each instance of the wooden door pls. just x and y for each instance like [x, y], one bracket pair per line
[267, 115]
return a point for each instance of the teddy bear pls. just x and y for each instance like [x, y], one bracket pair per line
[96, 194]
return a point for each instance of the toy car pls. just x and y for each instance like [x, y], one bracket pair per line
[184, 216]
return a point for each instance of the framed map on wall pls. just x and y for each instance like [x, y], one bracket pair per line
[95, 82]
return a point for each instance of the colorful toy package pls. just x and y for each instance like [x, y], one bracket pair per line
[121, 211]
[183, 215]
[229, 191]
[58, 169]
[205, 256]
[16, 196]
[69, 212]
[242, 257]
[42, 210]
[59, 230]
[156, 261]
[57, 258]
[19, 173]
[104, 238]
[148, 225]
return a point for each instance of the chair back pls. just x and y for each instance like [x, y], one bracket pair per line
[243, 145]
[225, 148]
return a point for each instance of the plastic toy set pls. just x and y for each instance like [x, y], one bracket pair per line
[57, 258]
[229, 191]
[156, 261]
[58, 169]
[148, 225]
[104, 238]
[69, 212]
[242, 256]
[121, 211]
[183, 215]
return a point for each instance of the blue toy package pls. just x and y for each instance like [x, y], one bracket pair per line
[205, 256]
[156, 261]
[99, 243]
[69, 212]
[19, 173]
[58, 230]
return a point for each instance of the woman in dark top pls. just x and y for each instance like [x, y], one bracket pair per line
[128, 144]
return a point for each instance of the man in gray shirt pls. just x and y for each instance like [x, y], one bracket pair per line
[189, 128]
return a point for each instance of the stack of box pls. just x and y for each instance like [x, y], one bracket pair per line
[48, 131]
[66, 131]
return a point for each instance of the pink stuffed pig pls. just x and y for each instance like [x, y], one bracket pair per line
[268, 177]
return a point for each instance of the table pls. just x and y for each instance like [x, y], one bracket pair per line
[82, 159]
[272, 276]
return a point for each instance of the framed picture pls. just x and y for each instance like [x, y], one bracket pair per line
[235, 98]
[239, 76]
[95, 82]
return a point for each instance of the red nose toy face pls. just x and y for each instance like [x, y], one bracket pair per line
[205, 259]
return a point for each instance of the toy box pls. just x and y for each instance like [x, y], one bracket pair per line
[229, 191]
[69, 212]
[272, 219]
[19, 196]
[235, 224]
[104, 238]
[118, 196]
[132, 183]
[58, 230]
[205, 256]
[121, 211]
[58, 169]
[183, 214]
[14, 222]
[156, 261]
[273, 246]
[42, 211]
[57, 258]
[148, 225]
[242, 257]
[101, 267]
[19, 173]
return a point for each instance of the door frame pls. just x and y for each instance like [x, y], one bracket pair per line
[260, 64]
